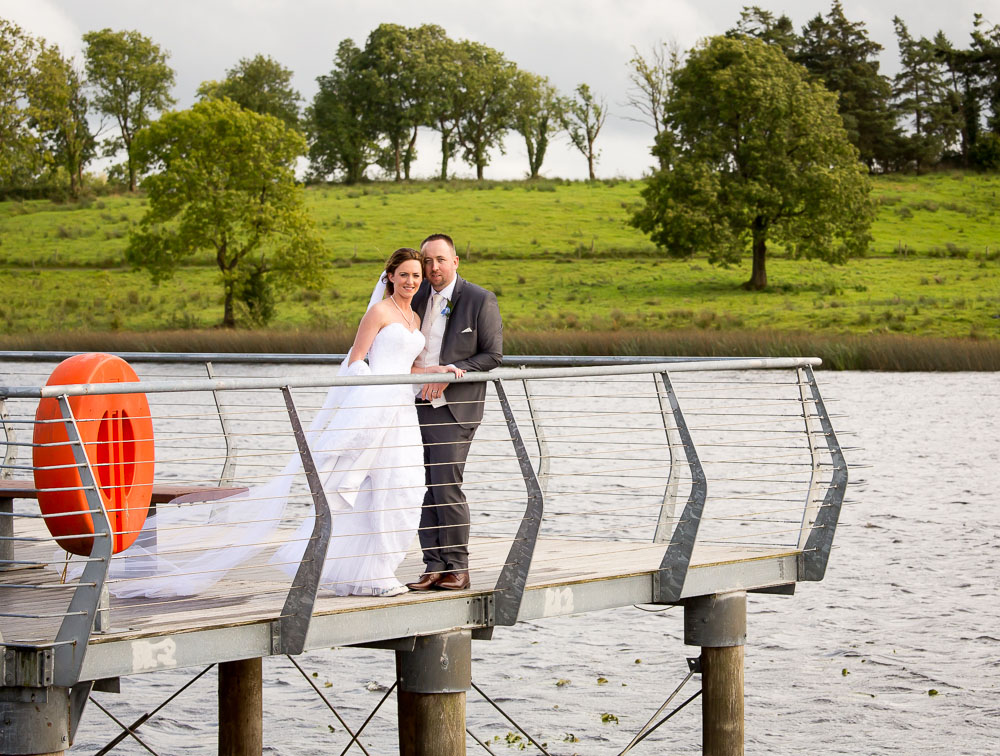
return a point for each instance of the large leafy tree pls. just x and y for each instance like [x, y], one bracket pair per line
[399, 58]
[484, 102]
[132, 82]
[536, 111]
[260, 84]
[583, 116]
[58, 108]
[845, 59]
[222, 179]
[342, 127]
[757, 154]
[443, 104]
[17, 143]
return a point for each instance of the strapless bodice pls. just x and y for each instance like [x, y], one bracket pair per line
[394, 349]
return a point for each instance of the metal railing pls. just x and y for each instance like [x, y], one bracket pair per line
[737, 455]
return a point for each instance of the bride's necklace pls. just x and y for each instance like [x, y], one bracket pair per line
[409, 320]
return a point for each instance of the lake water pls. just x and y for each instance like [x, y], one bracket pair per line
[896, 651]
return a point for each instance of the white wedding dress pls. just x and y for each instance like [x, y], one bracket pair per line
[365, 442]
[371, 459]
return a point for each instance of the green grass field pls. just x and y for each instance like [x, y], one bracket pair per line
[560, 256]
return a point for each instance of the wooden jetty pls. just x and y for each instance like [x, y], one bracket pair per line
[62, 639]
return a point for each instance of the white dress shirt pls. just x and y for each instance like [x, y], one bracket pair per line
[434, 333]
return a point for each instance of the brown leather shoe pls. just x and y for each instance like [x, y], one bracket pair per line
[453, 581]
[426, 581]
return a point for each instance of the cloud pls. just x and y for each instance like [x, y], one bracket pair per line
[43, 18]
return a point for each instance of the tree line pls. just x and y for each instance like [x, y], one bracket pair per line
[941, 109]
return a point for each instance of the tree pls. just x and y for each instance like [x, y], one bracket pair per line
[763, 25]
[652, 82]
[483, 102]
[963, 92]
[842, 55]
[58, 111]
[757, 154]
[260, 84]
[17, 143]
[132, 81]
[398, 58]
[921, 94]
[223, 180]
[582, 119]
[536, 110]
[443, 109]
[343, 132]
[985, 56]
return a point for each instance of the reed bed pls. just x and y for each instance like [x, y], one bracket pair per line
[890, 352]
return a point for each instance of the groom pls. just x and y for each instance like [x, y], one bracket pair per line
[461, 324]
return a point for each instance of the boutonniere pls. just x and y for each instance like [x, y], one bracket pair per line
[447, 307]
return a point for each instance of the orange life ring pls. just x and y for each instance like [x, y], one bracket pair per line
[117, 433]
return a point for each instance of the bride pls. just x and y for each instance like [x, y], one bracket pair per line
[366, 445]
[383, 484]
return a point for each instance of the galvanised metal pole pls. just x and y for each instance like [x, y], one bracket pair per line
[433, 678]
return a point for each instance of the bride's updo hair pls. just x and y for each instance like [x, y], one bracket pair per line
[399, 257]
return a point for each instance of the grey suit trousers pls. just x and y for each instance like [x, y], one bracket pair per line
[444, 516]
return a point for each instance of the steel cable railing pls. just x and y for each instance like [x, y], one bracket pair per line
[620, 454]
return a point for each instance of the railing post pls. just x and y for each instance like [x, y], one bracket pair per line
[514, 575]
[296, 614]
[816, 552]
[665, 520]
[809, 513]
[669, 580]
[226, 477]
[42, 698]
[7, 504]
[10, 451]
[544, 462]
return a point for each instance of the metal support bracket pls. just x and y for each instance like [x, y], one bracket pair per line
[668, 582]
[514, 575]
[27, 667]
[296, 614]
[694, 664]
[482, 610]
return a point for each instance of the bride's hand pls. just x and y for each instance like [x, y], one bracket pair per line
[458, 372]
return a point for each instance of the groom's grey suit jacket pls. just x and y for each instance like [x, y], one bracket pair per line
[473, 341]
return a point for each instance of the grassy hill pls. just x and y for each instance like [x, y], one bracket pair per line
[560, 255]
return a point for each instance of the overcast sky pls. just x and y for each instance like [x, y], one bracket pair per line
[570, 41]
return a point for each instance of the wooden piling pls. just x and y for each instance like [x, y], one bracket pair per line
[241, 728]
[722, 701]
[433, 676]
[431, 724]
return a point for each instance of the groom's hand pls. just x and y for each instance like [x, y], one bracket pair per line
[432, 391]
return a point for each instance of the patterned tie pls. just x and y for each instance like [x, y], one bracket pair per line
[437, 300]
